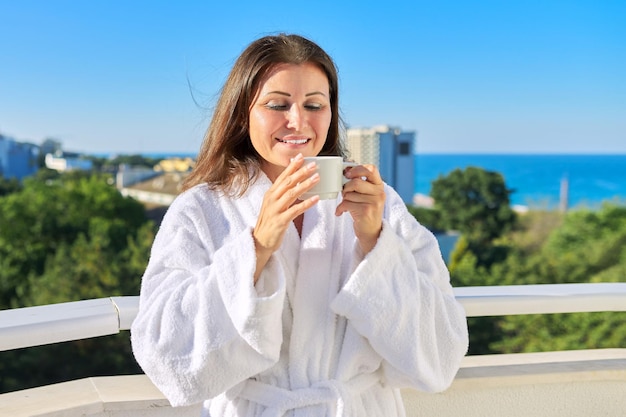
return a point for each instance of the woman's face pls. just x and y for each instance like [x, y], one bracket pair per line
[291, 114]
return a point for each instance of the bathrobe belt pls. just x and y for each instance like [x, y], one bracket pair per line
[280, 400]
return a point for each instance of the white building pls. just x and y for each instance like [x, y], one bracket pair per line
[67, 163]
[391, 150]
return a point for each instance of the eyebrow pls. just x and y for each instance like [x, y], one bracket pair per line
[282, 93]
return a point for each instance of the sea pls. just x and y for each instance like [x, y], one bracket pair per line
[536, 180]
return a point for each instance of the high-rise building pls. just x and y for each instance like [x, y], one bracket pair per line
[391, 150]
[17, 159]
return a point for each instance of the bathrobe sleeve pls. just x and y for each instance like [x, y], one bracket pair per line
[400, 299]
[201, 326]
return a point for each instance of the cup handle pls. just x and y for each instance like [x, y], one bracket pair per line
[346, 164]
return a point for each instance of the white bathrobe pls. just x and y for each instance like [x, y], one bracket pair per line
[326, 331]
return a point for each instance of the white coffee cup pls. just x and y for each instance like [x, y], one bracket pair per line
[330, 169]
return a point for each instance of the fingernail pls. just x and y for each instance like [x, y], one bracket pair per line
[311, 166]
[298, 157]
[315, 177]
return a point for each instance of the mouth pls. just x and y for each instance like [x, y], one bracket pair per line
[301, 141]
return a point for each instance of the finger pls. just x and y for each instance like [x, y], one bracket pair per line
[284, 179]
[294, 193]
[294, 164]
[341, 208]
[290, 185]
[359, 210]
[359, 197]
[273, 221]
[296, 176]
[301, 206]
[297, 184]
[358, 185]
[367, 172]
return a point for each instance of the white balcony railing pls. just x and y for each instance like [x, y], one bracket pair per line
[33, 326]
[578, 383]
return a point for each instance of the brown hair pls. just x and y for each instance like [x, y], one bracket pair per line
[227, 161]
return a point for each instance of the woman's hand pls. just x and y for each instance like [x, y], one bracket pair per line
[364, 199]
[280, 207]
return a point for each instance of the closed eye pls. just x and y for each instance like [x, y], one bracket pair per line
[278, 107]
[283, 107]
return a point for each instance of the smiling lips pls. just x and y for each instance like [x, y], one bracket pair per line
[293, 141]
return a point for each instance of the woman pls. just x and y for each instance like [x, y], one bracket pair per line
[258, 303]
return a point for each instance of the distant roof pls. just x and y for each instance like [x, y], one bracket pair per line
[166, 183]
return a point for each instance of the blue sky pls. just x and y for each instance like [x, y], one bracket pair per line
[534, 76]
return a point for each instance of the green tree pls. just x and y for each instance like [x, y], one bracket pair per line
[63, 215]
[46, 174]
[8, 185]
[498, 248]
[476, 203]
[588, 246]
[428, 217]
[91, 267]
[66, 239]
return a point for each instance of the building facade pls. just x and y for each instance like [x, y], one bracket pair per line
[17, 159]
[63, 162]
[391, 150]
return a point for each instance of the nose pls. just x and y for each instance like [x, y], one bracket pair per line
[295, 117]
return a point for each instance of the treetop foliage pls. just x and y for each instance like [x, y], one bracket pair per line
[497, 247]
[475, 202]
[9, 185]
[67, 237]
[50, 223]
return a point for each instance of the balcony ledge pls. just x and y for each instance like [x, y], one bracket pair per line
[556, 384]
[119, 396]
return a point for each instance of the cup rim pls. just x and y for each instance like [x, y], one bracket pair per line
[323, 156]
